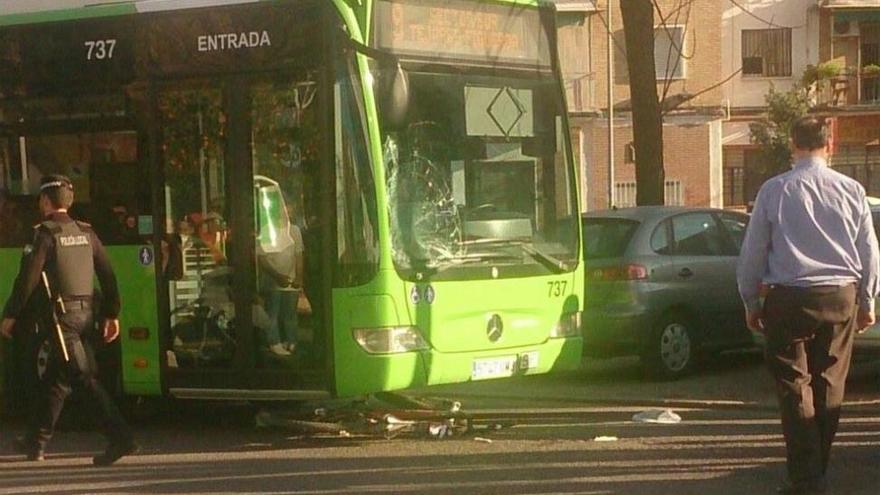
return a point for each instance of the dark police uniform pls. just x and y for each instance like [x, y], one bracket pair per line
[71, 255]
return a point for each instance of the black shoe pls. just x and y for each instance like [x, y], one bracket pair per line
[31, 451]
[803, 488]
[114, 452]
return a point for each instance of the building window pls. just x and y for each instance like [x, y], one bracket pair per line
[625, 194]
[668, 49]
[673, 193]
[766, 52]
[734, 186]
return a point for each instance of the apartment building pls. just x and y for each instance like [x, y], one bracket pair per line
[772, 43]
[688, 69]
[765, 44]
[849, 43]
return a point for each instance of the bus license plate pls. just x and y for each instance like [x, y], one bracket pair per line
[493, 368]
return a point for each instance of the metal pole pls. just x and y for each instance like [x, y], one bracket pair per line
[610, 105]
[23, 155]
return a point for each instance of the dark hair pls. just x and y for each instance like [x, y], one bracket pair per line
[808, 133]
[58, 190]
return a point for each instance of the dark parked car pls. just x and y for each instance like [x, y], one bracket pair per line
[661, 283]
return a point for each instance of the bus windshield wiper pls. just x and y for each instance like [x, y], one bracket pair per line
[488, 241]
[475, 258]
[555, 263]
[527, 247]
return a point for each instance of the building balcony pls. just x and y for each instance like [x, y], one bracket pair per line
[848, 89]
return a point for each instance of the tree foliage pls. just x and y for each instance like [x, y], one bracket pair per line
[773, 132]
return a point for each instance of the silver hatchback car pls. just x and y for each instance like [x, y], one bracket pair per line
[661, 284]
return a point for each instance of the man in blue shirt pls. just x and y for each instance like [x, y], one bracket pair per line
[811, 245]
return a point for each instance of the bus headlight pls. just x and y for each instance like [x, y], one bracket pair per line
[569, 325]
[390, 340]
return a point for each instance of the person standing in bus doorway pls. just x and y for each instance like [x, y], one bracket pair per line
[64, 258]
[281, 270]
[811, 241]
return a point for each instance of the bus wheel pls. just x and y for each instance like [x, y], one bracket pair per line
[670, 351]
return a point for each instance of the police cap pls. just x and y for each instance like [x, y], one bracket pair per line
[55, 180]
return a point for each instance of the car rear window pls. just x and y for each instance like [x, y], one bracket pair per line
[607, 237]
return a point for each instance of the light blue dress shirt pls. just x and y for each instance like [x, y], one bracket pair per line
[810, 227]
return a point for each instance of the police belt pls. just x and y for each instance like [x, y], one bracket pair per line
[77, 304]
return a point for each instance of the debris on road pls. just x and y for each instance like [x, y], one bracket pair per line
[386, 415]
[660, 416]
[605, 439]
[482, 439]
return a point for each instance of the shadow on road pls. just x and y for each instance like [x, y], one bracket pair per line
[730, 459]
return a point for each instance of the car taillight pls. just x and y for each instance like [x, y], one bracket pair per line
[630, 271]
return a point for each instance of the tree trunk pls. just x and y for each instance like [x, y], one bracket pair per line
[638, 27]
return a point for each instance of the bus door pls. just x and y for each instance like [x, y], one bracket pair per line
[240, 159]
[243, 139]
[199, 270]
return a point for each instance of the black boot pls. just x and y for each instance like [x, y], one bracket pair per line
[32, 450]
[114, 452]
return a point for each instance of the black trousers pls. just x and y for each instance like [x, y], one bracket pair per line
[79, 374]
[809, 344]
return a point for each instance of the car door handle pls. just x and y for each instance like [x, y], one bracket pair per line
[686, 273]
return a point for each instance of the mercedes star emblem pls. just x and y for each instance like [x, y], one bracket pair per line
[495, 328]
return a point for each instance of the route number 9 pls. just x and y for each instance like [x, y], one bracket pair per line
[100, 49]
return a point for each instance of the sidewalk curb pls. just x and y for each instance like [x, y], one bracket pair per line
[650, 403]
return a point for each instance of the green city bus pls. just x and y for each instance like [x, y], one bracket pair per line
[418, 148]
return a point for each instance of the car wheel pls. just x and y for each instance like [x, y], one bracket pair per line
[670, 352]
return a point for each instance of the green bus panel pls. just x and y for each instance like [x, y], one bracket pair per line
[137, 288]
[136, 276]
[9, 260]
[456, 334]
[91, 12]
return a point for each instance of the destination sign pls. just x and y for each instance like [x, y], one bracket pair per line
[66, 57]
[232, 38]
[455, 29]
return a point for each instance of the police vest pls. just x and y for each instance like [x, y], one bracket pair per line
[74, 259]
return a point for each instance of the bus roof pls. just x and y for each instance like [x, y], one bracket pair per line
[34, 11]
[15, 12]
[35, 6]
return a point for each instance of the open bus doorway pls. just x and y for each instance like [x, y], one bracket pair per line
[237, 156]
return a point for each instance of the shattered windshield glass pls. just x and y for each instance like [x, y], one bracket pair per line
[478, 173]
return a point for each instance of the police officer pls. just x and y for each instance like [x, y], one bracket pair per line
[70, 255]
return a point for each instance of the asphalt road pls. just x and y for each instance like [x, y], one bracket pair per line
[727, 443]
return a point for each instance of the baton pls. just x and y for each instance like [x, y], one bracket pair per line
[56, 303]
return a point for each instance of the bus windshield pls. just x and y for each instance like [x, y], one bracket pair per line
[478, 173]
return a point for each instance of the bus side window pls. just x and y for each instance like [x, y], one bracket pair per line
[18, 215]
